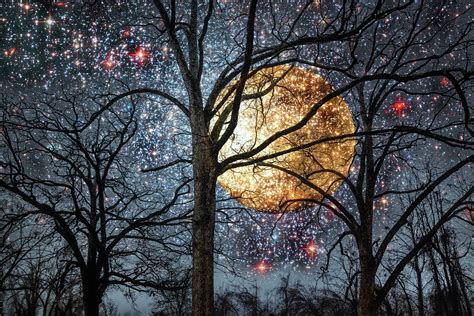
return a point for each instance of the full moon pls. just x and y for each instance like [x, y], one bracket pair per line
[275, 99]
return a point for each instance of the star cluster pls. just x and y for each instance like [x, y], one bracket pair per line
[43, 46]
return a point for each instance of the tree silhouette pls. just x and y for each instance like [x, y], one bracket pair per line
[372, 47]
[113, 222]
[387, 59]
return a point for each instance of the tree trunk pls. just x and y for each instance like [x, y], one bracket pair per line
[419, 288]
[366, 305]
[91, 297]
[205, 177]
[2, 298]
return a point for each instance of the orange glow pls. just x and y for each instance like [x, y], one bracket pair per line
[311, 249]
[10, 52]
[126, 33]
[262, 267]
[109, 63]
[276, 107]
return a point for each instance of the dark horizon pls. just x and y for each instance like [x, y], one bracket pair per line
[228, 157]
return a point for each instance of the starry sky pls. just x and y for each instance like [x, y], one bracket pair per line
[48, 46]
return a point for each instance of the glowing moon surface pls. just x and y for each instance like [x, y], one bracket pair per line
[274, 99]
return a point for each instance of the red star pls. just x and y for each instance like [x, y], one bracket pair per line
[139, 55]
[126, 33]
[444, 82]
[311, 249]
[400, 106]
[469, 213]
[329, 215]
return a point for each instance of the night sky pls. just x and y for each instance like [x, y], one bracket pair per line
[49, 47]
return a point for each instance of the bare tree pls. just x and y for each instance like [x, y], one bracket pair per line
[367, 196]
[369, 51]
[446, 254]
[18, 240]
[44, 282]
[82, 184]
[173, 303]
[389, 73]
[355, 42]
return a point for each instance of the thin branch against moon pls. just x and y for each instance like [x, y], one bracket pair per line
[292, 91]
